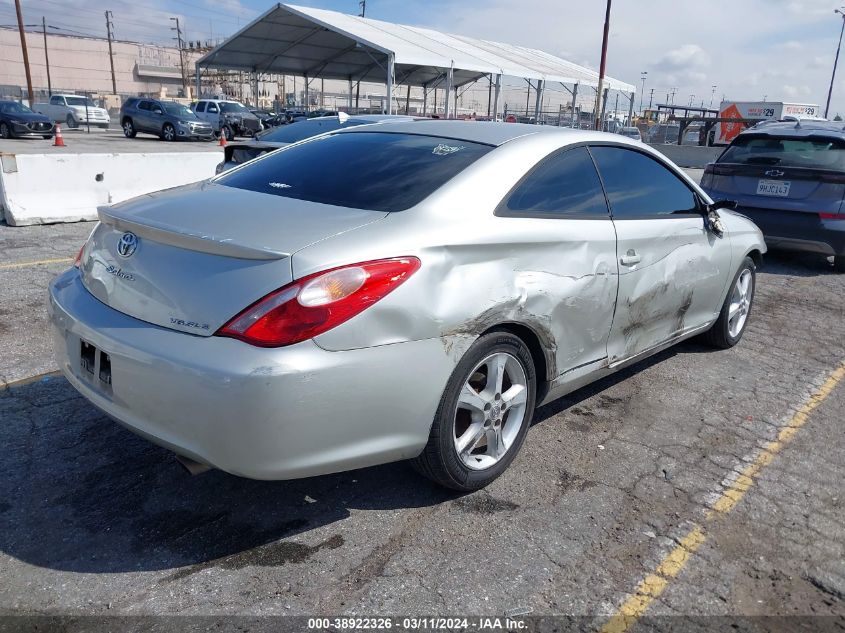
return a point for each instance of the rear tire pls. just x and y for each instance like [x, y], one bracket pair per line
[727, 330]
[476, 407]
[5, 130]
[129, 130]
[839, 263]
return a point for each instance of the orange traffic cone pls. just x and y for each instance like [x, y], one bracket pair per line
[222, 139]
[59, 141]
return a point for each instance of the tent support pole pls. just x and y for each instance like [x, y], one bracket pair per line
[349, 96]
[574, 104]
[541, 85]
[255, 88]
[425, 99]
[389, 85]
[631, 111]
[307, 99]
[449, 78]
[496, 95]
[199, 82]
[408, 100]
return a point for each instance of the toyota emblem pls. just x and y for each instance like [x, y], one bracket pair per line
[127, 244]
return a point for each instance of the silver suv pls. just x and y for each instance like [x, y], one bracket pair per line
[229, 118]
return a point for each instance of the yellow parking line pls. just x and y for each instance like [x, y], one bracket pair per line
[38, 262]
[653, 585]
[22, 382]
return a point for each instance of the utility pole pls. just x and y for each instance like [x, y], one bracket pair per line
[712, 94]
[602, 65]
[46, 55]
[178, 38]
[643, 76]
[835, 61]
[651, 98]
[25, 54]
[674, 90]
[110, 35]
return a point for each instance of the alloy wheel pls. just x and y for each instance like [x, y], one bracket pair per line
[740, 303]
[491, 410]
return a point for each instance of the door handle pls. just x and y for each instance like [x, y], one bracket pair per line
[630, 258]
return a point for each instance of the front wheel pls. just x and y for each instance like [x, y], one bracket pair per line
[71, 122]
[168, 132]
[228, 133]
[730, 326]
[483, 416]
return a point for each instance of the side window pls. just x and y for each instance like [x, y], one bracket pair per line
[638, 186]
[144, 105]
[155, 107]
[200, 106]
[56, 101]
[212, 108]
[565, 184]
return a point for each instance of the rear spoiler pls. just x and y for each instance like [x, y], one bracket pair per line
[182, 238]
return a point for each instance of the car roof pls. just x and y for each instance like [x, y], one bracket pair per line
[798, 129]
[487, 132]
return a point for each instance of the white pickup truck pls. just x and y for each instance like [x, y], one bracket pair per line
[74, 110]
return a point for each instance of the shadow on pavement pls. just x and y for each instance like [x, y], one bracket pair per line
[797, 264]
[80, 493]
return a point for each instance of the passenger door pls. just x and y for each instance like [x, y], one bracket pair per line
[568, 273]
[672, 268]
[142, 116]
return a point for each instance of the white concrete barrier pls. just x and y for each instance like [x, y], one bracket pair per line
[46, 188]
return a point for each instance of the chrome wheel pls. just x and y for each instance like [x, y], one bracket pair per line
[491, 410]
[740, 303]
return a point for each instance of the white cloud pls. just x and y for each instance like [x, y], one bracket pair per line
[686, 56]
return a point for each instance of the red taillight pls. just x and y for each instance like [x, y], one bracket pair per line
[832, 216]
[317, 303]
[78, 261]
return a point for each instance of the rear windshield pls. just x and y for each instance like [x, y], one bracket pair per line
[815, 153]
[302, 130]
[361, 170]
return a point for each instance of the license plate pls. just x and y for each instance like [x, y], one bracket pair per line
[773, 188]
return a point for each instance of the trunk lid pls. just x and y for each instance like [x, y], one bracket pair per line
[202, 253]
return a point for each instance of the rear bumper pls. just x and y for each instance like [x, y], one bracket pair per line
[798, 231]
[259, 413]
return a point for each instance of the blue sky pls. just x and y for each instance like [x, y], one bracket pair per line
[748, 49]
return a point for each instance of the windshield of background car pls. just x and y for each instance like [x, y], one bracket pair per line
[815, 153]
[234, 107]
[178, 109]
[378, 171]
[80, 101]
[14, 108]
[294, 132]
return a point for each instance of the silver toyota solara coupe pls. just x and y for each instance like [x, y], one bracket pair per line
[402, 291]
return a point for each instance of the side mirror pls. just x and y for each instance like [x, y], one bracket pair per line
[723, 204]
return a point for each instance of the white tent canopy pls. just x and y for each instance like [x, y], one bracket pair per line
[317, 43]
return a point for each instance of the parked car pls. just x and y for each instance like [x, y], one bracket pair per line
[169, 120]
[389, 292]
[631, 132]
[263, 115]
[238, 153]
[789, 178]
[74, 110]
[16, 120]
[229, 118]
